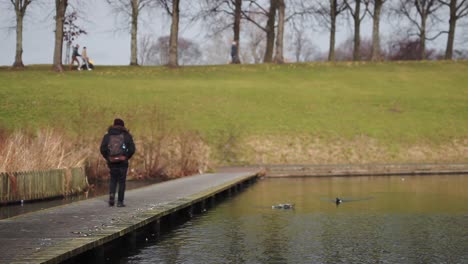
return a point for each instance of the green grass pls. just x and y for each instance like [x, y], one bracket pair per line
[391, 102]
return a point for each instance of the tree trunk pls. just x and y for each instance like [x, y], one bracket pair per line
[376, 31]
[174, 38]
[270, 32]
[60, 8]
[279, 38]
[422, 38]
[237, 20]
[20, 11]
[451, 33]
[19, 40]
[357, 31]
[298, 48]
[331, 52]
[134, 33]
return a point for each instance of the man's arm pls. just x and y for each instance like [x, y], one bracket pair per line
[130, 146]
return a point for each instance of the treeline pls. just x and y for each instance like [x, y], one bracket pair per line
[262, 27]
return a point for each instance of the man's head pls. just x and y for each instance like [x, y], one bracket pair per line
[77, 45]
[119, 122]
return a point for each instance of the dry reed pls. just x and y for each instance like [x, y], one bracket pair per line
[161, 156]
[170, 156]
[48, 149]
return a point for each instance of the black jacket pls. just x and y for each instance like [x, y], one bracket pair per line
[75, 52]
[130, 145]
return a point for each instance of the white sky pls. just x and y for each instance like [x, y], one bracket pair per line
[106, 47]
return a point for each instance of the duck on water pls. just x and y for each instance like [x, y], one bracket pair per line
[283, 206]
[338, 201]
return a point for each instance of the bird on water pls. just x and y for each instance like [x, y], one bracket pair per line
[338, 201]
[283, 206]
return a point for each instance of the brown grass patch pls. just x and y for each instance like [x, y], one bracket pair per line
[359, 150]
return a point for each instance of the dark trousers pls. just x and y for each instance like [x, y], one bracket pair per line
[118, 176]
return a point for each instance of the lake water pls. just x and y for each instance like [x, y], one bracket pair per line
[414, 219]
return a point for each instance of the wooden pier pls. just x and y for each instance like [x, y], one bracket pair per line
[63, 233]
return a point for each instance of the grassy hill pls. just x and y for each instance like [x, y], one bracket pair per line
[314, 113]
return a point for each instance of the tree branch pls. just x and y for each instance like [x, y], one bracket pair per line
[245, 16]
[436, 36]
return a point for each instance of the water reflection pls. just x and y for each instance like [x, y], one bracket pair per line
[416, 220]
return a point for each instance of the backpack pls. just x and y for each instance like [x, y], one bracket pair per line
[116, 148]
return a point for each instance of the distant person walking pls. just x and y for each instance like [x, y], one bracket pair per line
[117, 147]
[75, 56]
[234, 58]
[84, 55]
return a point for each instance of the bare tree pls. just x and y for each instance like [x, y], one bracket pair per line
[424, 10]
[144, 49]
[214, 48]
[222, 15]
[269, 29]
[157, 53]
[458, 9]
[236, 27]
[254, 44]
[345, 50]
[377, 11]
[279, 38]
[71, 31]
[20, 7]
[301, 45]
[357, 16]
[172, 8]
[255, 10]
[173, 43]
[189, 52]
[60, 10]
[301, 18]
[329, 13]
[134, 32]
[130, 11]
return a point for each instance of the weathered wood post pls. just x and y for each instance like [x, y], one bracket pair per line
[211, 201]
[130, 240]
[156, 228]
[188, 212]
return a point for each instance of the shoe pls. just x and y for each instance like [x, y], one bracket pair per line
[120, 204]
[90, 69]
[111, 199]
[79, 69]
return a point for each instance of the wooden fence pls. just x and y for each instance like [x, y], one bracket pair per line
[36, 185]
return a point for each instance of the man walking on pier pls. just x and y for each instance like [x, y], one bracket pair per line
[117, 147]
